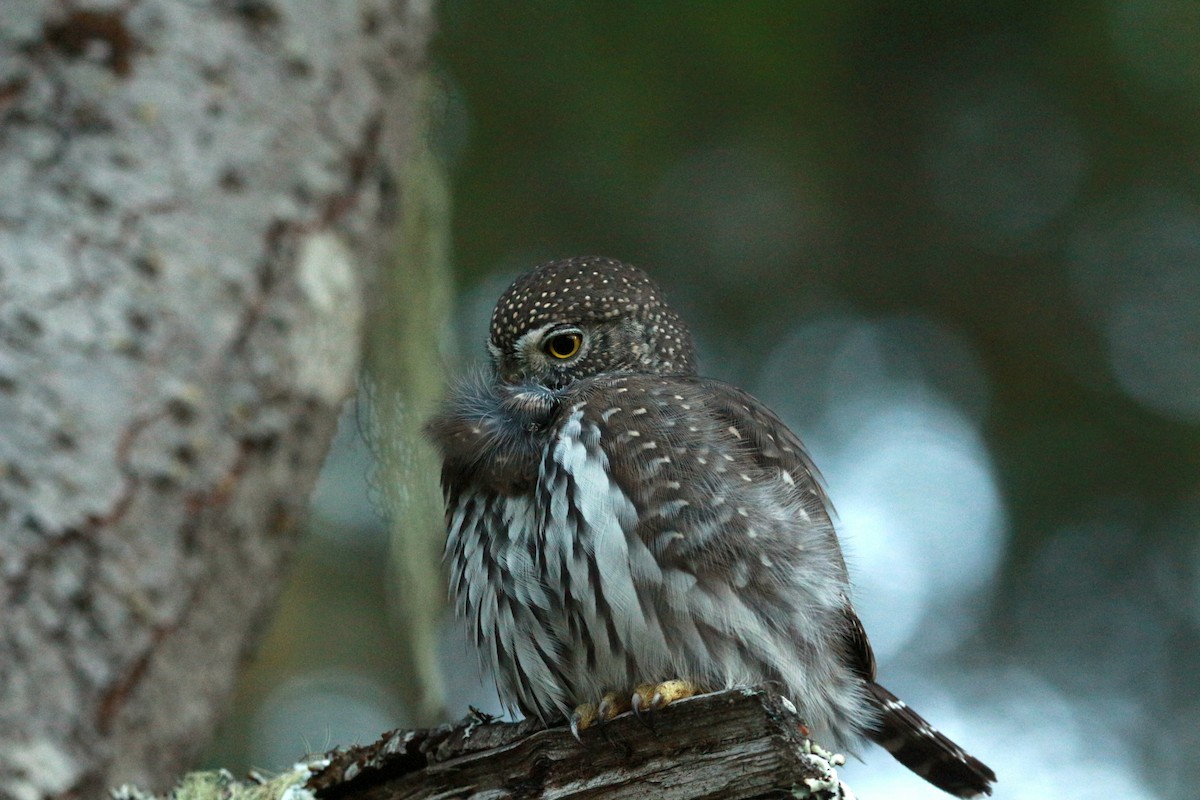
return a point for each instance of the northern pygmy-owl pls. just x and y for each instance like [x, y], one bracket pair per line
[623, 532]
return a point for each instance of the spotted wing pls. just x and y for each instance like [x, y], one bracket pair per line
[711, 539]
[708, 468]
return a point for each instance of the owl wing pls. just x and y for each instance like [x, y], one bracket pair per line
[706, 467]
[778, 447]
[692, 488]
[857, 647]
[769, 443]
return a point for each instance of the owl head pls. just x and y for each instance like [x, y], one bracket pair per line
[578, 317]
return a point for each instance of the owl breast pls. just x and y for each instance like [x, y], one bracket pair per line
[553, 582]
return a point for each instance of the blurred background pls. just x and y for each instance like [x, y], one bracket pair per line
[955, 244]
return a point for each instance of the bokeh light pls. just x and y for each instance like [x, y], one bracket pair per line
[1135, 272]
[1041, 742]
[313, 712]
[1003, 160]
[908, 472]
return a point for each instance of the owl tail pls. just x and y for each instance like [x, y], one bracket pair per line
[926, 751]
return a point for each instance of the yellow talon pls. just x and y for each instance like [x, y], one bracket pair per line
[646, 697]
[612, 704]
[653, 696]
[583, 717]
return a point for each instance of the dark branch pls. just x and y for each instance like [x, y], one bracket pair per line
[741, 743]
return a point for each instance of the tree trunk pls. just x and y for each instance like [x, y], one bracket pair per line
[192, 198]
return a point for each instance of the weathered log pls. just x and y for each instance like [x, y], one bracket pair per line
[740, 743]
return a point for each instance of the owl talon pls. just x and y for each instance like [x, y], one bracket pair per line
[610, 706]
[638, 706]
[583, 717]
[653, 696]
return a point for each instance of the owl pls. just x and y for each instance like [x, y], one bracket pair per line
[623, 533]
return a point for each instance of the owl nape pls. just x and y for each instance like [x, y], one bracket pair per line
[623, 532]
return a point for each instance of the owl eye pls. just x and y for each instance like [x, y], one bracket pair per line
[563, 345]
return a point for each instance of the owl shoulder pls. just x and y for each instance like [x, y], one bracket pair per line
[639, 420]
[774, 444]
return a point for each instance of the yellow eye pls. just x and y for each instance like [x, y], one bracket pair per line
[563, 345]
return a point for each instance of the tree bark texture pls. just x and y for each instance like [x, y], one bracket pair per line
[192, 197]
[741, 743]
